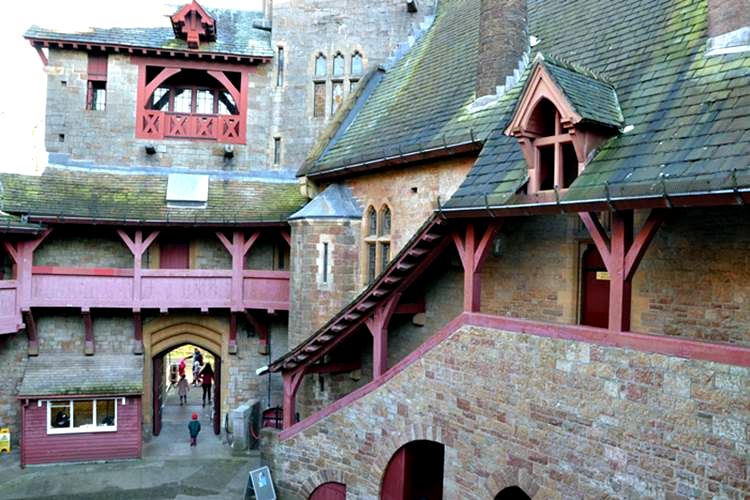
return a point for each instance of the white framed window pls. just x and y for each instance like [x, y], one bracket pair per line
[71, 416]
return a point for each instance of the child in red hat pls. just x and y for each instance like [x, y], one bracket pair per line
[194, 427]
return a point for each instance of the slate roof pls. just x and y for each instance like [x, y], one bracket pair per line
[420, 103]
[12, 224]
[591, 97]
[336, 201]
[235, 35]
[73, 374]
[139, 195]
[689, 112]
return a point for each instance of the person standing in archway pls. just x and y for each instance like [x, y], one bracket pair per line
[207, 378]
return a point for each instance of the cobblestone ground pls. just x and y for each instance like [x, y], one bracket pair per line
[170, 468]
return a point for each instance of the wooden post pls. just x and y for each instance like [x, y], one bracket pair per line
[137, 333]
[378, 326]
[621, 255]
[88, 331]
[138, 247]
[232, 332]
[292, 382]
[473, 255]
[28, 318]
[238, 248]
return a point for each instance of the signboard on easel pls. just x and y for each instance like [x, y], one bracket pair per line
[259, 482]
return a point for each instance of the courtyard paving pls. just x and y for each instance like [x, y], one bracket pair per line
[169, 469]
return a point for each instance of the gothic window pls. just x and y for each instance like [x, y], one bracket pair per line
[276, 150]
[377, 241]
[321, 71]
[319, 99]
[338, 65]
[356, 64]
[337, 96]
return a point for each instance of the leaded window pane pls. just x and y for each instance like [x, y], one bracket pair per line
[385, 255]
[357, 67]
[205, 102]
[338, 65]
[372, 222]
[183, 100]
[371, 262]
[320, 66]
[319, 97]
[160, 99]
[227, 105]
[385, 225]
[337, 97]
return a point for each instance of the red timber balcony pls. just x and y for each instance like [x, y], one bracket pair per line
[88, 288]
[164, 125]
[236, 290]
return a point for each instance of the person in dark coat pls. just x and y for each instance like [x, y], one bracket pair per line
[194, 427]
[207, 379]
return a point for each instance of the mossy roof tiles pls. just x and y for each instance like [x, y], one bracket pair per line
[235, 35]
[71, 374]
[421, 103]
[100, 194]
[689, 113]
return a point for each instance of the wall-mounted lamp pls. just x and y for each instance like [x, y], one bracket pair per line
[228, 151]
[497, 246]
[150, 149]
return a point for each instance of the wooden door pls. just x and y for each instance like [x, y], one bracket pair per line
[329, 491]
[217, 395]
[415, 472]
[158, 391]
[594, 289]
[174, 254]
[394, 477]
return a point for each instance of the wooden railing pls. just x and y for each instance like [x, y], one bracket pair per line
[159, 289]
[153, 124]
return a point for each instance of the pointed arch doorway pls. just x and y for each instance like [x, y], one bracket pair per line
[165, 334]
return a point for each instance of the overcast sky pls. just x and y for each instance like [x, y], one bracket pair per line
[23, 85]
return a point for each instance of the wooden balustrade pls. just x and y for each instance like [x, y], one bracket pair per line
[155, 124]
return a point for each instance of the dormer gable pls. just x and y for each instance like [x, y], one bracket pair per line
[563, 114]
[193, 24]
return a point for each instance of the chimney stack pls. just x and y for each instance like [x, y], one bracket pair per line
[503, 39]
[728, 26]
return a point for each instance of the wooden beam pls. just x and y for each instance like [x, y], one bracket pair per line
[292, 382]
[473, 254]
[250, 242]
[287, 237]
[598, 234]
[636, 252]
[88, 333]
[31, 333]
[137, 333]
[378, 326]
[232, 333]
[225, 241]
[11, 251]
[334, 368]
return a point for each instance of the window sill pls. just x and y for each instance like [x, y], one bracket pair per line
[81, 430]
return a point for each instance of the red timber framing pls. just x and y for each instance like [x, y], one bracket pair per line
[158, 124]
[473, 252]
[621, 255]
[373, 310]
[194, 24]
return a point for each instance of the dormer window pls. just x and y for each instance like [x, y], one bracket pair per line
[193, 24]
[564, 113]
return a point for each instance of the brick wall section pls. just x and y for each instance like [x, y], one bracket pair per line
[694, 280]
[535, 277]
[727, 15]
[561, 419]
[71, 248]
[502, 42]
[13, 359]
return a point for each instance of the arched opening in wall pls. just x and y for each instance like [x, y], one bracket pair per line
[329, 491]
[186, 380]
[594, 289]
[512, 493]
[415, 471]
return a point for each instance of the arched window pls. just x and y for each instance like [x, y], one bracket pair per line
[338, 65]
[357, 68]
[512, 493]
[321, 70]
[329, 491]
[377, 241]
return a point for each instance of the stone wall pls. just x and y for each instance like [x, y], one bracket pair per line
[559, 418]
[305, 28]
[107, 137]
[70, 247]
[694, 280]
[315, 300]
[13, 358]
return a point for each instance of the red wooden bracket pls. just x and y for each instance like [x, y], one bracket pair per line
[261, 329]
[378, 326]
[472, 255]
[292, 382]
[598, 234]
[250, 242]
[225, 241]
[11, 250]
[638, 249]
[287, 237]
[232, 333]
[222, 78]
[137, 333]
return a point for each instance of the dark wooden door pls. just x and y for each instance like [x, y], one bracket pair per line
[594, 289]
[217, 395]
[415, 472]
[329, 491]
[174, 254]
[158, 391]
